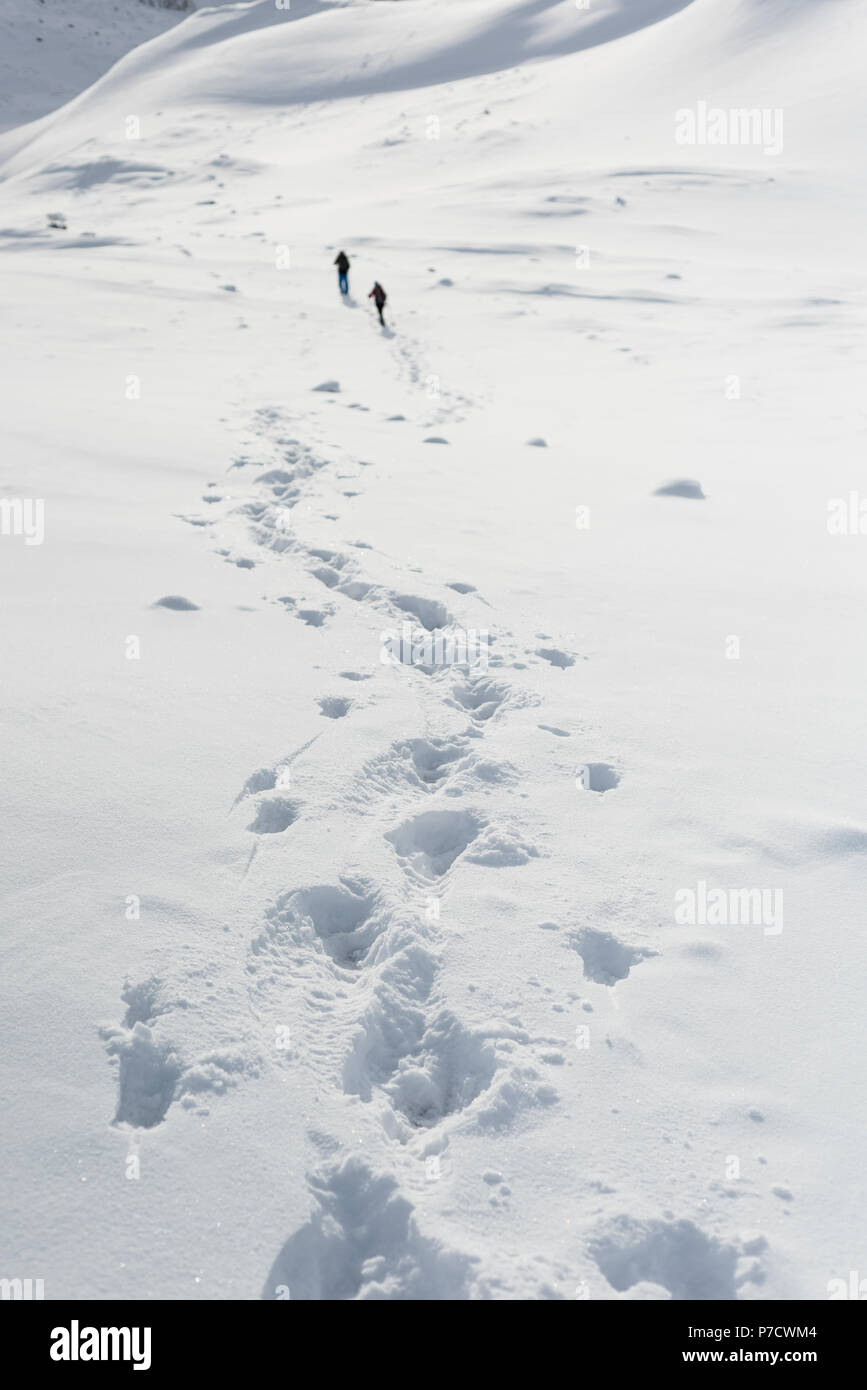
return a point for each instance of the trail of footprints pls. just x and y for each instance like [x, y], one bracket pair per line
[361, 964]
[361, 970]
[359, 967]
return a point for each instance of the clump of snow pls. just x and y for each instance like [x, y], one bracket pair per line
[682, 487]
[177, 602]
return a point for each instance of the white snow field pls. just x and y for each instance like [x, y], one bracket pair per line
[538, 975]
[51, 49]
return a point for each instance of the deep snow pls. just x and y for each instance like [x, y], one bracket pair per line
[326, 976]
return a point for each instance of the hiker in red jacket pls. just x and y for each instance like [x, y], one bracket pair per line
[378, 295]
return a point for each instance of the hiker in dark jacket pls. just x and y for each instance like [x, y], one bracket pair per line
[342, 263]
[378, 295]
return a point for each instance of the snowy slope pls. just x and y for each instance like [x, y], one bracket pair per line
[386, 997]
[50, 50]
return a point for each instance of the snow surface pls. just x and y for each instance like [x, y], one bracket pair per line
[330, 977]
[51, 49]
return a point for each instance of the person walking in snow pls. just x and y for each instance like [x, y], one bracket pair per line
[378, 295]
[342, 263]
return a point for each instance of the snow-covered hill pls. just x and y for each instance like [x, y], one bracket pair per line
[50, 50]
[352, 978]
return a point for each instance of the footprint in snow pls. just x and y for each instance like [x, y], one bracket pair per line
[435, 439]
[335, 706]
[605, 959]
[274, 815]
[276, 478]
[674, 1256]
[597, 777]
[431, 842]
[361, 1241]
[480, 697]
[428, 844]
[538, 443]
[423, 763]
[152, 1074]
[328, 557]
[148, 1075]
[556, 657]
[449, 1068]
[268, 779]
[355, 589]
[346, 918]
[326, 575]
[327, 386]
[432, 614]
[264, 779]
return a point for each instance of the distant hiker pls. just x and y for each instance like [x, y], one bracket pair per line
[342, 263]
[378, 295]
